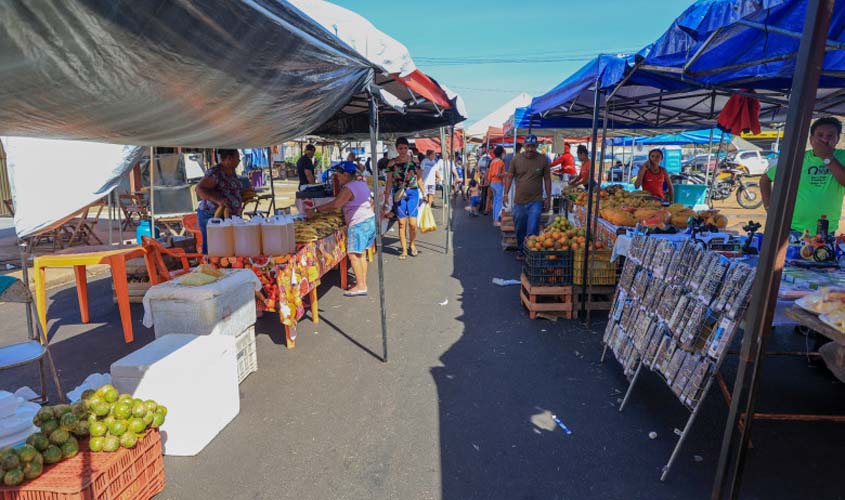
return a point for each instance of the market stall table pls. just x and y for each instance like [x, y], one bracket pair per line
[114, 258]
[288, 279]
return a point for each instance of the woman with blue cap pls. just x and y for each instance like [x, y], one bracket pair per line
[354, 199]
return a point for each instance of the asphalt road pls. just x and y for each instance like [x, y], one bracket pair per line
[462, 409]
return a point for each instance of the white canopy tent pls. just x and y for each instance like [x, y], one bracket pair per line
[499, 116]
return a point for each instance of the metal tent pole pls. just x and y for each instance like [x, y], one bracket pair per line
[587, 250]
[712, 180]
[448, 188]
[111, 217]
[709, 155]
[805, 82]
[272, 210]
[595, 131]
[443, 165]
[152, 193]
[379, 246]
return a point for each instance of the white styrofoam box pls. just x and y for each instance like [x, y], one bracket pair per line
[16, 427]
[225, 307]
[8, 404]
[194, 376]
[247, 355]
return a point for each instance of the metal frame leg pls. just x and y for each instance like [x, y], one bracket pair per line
[603, 354]
[631, 385]
[686, 430]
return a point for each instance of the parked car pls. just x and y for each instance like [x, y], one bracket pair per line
[754, 162]
[700, 163]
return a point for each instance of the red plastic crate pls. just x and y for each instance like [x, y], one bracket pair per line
[125, 474]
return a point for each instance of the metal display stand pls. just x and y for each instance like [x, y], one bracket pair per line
[635, 349]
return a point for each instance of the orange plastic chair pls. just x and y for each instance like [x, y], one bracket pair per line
[156, 252]
[191, 223]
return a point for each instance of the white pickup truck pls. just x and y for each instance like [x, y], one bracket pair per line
[754, 161]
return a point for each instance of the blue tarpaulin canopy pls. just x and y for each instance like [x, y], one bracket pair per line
[697, 137]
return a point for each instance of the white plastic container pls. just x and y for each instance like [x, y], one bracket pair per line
[248, 237]
[274, 236]
[225, 307]
[247, 354]
[17, 426]
[221, 238]
[194, 376]
[8, 404]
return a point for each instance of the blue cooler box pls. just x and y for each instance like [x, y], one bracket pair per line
[690, 194]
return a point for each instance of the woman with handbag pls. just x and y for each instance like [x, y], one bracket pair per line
[402, 186]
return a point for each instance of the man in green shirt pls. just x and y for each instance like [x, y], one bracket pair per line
[822, 185]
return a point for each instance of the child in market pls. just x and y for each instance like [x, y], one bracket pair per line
[474, 197]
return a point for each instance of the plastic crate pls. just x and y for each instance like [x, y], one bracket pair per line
[125, 474]
[550, 268]
[247, 355]
[603, 272]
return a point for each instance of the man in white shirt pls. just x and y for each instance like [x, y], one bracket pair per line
[431, 169]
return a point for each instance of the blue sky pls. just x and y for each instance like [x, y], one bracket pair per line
[462, 30]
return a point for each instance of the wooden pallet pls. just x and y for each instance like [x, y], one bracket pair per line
[509, 243]
[563, 301]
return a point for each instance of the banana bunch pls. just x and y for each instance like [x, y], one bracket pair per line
[318, 227]
[222, 212]
[248, 194]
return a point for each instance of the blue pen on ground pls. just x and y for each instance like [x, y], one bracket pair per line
[561, 425]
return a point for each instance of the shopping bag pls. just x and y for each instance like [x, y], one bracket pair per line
[426, 220]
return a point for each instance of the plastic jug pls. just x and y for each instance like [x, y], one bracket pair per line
[144, 230]
[274, 236]
[247, 236]
[221, 238]
[290, 231]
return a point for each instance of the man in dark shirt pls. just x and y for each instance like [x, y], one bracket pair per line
[305, 166]
[382, 164]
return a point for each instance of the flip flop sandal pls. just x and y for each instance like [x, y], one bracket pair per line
[414, 252]
[403, 256]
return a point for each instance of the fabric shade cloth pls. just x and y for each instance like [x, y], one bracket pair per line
[434, 144]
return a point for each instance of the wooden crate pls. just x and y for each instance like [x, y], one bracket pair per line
[508, 240]
[136, 291]
[563, 301]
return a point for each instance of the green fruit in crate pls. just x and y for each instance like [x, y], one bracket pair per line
[70, 448]
[111, 443]
[98, 429]
[52, 454]
[158, 420]
[94, 401]
[33, 469]
[82, 428]
[125, 398]
[109, 393]
[39, 441]
[59, 436]
[80, 409]
[92, 418]
[128, 440]
[43, 415]
[122, 410]
[108, 420]
[118, 427]
[136, 426]
[148, 418]
[68, 421]
[10, 460]
[139, 409]
[13, 477]
[101, 409]
[59, 410]
[96, 443]
[161, 410]
[48, 426]
[151, 405]
[137, 401]
[27, 453]
[87, 393]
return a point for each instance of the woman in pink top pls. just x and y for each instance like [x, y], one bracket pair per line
[354, 199]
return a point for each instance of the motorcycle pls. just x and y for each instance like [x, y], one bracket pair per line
[728, 179]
